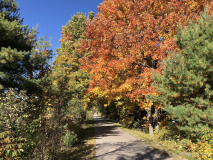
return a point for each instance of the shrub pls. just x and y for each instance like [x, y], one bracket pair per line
[162, 134]
[18, 127]
[138, 123]
[127, 122]
[204, 148]
[69, 139]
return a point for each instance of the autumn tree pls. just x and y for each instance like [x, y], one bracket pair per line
[68, 77]
[185, 87]
[124, 45]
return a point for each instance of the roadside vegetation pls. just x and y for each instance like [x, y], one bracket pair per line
[43, 112]
[84, 148]
[145, 64]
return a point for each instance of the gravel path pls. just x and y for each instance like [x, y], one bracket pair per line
[112, 143]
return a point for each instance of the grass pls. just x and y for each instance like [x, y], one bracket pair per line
[85, 146]
[165, 147]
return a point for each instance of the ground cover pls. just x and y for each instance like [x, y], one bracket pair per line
[85, 147]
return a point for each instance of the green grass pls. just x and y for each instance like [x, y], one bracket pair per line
[165, 147]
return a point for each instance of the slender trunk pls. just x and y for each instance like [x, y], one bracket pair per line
[156, 120]
[150, 121]
[150, 129]
[149, 114]
[157, 128]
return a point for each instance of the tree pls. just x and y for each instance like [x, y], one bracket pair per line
[124, 45]
[68, 77]
[23, 80]
[19, 61]
[185, 86]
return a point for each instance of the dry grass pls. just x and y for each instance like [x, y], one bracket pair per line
[85, 146]
[85, 149]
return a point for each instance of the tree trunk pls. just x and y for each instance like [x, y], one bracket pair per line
[150, 121]
[150, 129]
[156, 120]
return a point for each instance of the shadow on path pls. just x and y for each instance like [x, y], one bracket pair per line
[134, 150]
[112, 143]
[104, 128]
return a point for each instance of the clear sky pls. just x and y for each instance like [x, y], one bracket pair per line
[51, 15]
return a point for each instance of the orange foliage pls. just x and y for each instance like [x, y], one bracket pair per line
[124, 43]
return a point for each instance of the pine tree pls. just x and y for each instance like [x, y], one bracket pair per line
[19, 61]
[23, 67]
[185, 86]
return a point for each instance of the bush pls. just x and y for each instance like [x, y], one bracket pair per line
[204, 148]
[162, 134]
[75, 127]
[18, 126]
[138, 123]
[69, 139]
[127, 122]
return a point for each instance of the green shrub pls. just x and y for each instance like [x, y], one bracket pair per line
[162, 134]
[69, 139]
[18, 127]
[137, 123]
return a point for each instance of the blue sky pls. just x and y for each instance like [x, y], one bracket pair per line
[51, 15]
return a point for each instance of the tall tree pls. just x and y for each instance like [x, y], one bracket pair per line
[23, 67]
[186, 85]
[68, 77]
[125, 46]
[18, 62]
